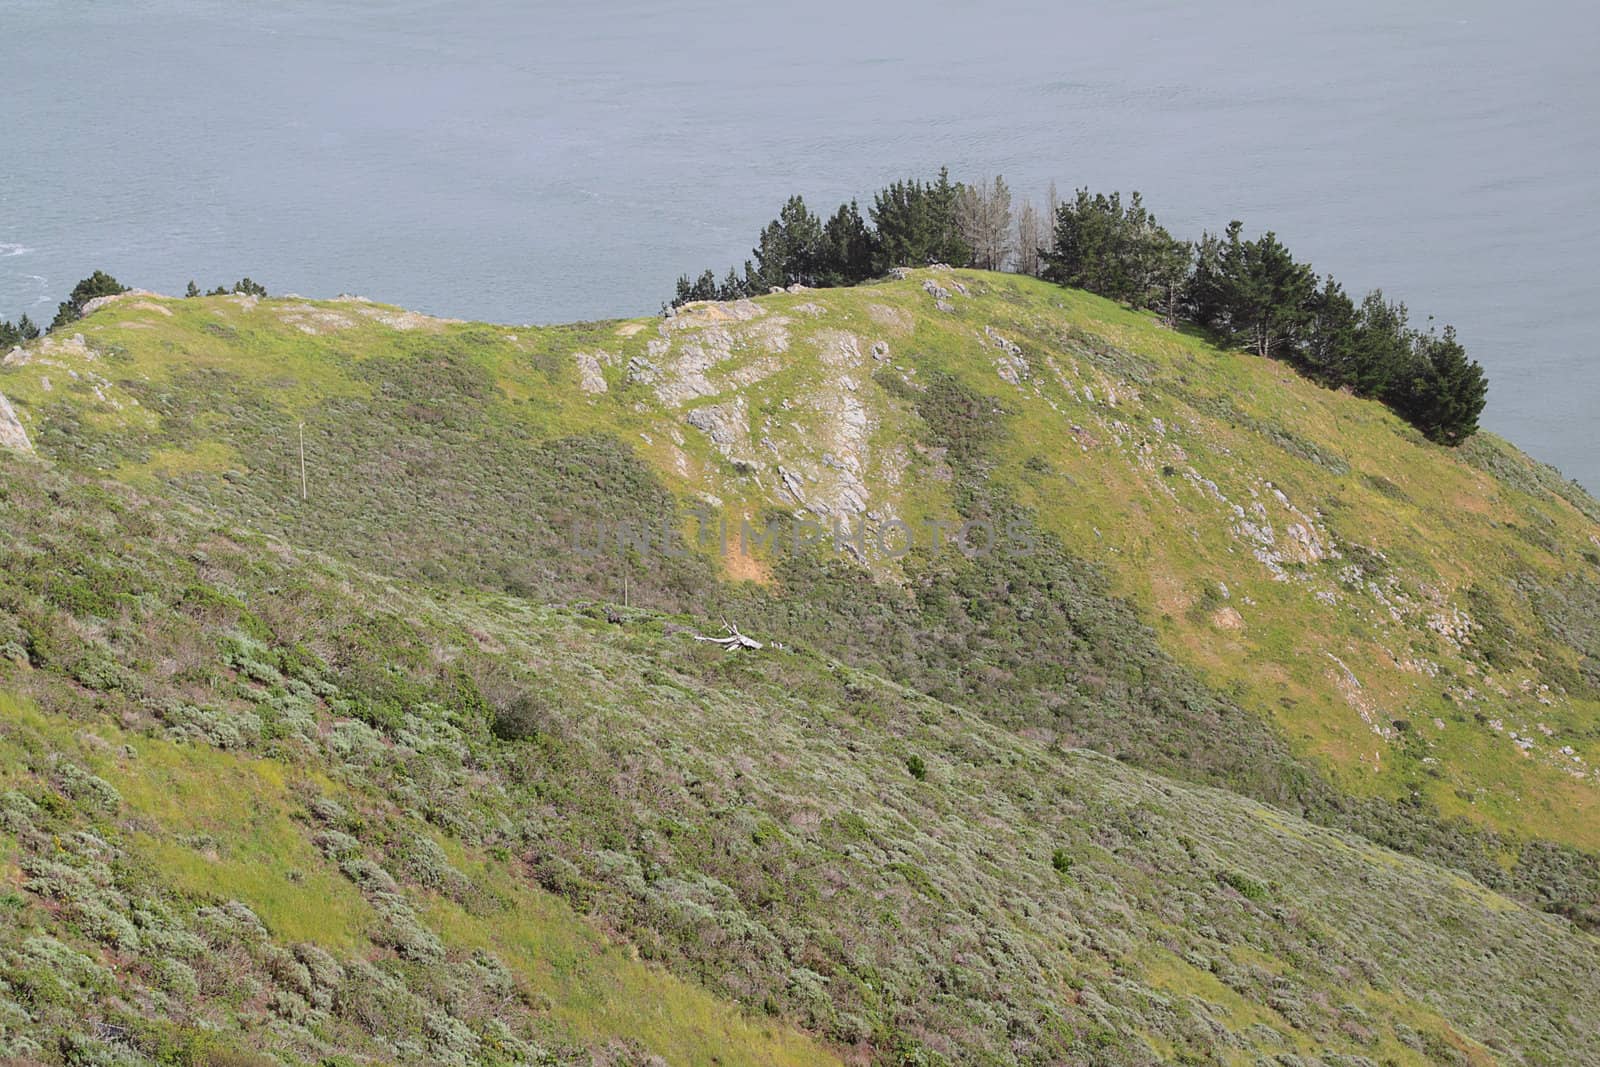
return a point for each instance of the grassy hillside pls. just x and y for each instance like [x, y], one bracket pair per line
[1420, 621]
[886, 833]
[254, 800]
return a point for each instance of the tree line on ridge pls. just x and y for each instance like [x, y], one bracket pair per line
[1249, 293]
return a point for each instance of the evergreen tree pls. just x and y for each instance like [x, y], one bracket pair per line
[1444, 392]
[1383, 350]
[1330, 336]
[1205, 295]
[916, 224]
[847, 248]
[702, 288]
[732, 287]
[14, 334]
[948, 246]
[788, 251]
[1270, 294]
[193, 290]
[95, 285]
[249, 288]
[1117, 251]
[1161, 268]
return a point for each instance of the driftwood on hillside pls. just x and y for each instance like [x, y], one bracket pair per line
[734, 641]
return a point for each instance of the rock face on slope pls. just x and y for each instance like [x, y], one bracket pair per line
[12, 433]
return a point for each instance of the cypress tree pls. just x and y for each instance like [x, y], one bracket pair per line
[95, 285]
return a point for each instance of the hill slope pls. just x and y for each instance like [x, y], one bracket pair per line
[1230, 576]
[1300, 550]
[252, 799]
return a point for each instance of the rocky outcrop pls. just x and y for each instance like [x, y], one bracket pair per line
[591, 379]
[12, 435]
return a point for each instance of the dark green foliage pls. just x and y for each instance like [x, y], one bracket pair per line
[1244, 885]
[22, 330]
[1445, 392]
[702, 288]
[1118, 252]
[706, 287]
[789, 250]
[95, 285]
[917, 767]
[916, 224]
[1493, 638]
[1380, 357]
[1251, 292]
[845, 254]
[796, 248]
[913, 224]
[244, 287]
[1255, 293]
[1329, 335]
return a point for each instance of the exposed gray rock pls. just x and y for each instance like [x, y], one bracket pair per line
[590, 377]
[12, 435]
[642, 370]
[723, 423]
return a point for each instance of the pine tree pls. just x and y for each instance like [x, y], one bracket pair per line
[1382, 355]
[1446, 391]
[1330, 336]
[1205, 297]
[1118, 252]
[702, 288]
[94, 286]
[193, 290]
[1271, 295]
[847, 248]
[948, 245]
[788, 250]
[27, 329]
[732, 287]
[916, 224]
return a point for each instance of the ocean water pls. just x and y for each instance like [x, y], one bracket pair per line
[538, 162]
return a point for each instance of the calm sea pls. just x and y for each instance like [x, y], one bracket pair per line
[535, 162]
